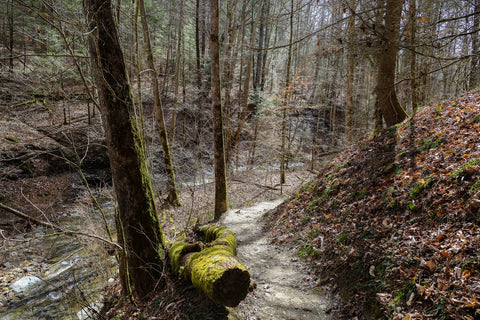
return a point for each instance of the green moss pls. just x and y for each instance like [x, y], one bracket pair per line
[206, 268]
[358, 194]
[345, 164]
[307, 186]
[305, 219]
[475, 186]
[418, 188]
[308, 250]
[212, 266]
[343, 236]
[174, 254]
[11, 139]
[150, 218]
[222, 236]
[427, 143]
[460, 171]
[334, 203]
[315, 203]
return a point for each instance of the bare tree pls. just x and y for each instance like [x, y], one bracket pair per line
[349, 114]
[218, 141]
[172, 196]
[386, 97]
[142, 236]
[475, 60]
[286, 99]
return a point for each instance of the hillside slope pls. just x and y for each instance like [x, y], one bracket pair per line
[393, 223]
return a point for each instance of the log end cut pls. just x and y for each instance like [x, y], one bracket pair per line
[221, 277]
[232, 287]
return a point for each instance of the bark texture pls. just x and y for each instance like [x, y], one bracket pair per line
[475, 62]
[386, 98]
[218, 139]
[212, 267]
[144, 240]
[351, 61]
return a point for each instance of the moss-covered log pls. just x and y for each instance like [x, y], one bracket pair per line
[212, 266]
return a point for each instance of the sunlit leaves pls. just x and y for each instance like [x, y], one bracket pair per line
[408, 198]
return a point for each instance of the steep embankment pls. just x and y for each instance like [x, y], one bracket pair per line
[393, 222]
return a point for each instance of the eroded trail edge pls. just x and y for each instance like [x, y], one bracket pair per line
[284, 288]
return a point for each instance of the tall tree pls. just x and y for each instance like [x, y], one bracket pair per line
[386, 97]
[218, 140]
[178, 68]
[288, 90]
[10, 19]
[172, 196]
[413, 55]
[143, 238]
[235, 140]
[349, 113]
[475, 60]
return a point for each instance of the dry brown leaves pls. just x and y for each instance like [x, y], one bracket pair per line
[401, 211]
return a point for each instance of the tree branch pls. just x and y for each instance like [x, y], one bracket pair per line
[55, 227]
[255, 184]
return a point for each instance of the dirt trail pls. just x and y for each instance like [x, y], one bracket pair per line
[284, 289]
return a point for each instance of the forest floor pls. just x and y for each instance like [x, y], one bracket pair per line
[285, 286]
[393, 223]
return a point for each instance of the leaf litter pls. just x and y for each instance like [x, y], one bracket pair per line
[393, 223]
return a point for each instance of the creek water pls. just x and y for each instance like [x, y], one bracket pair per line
[61, 278]
[53, 276]
[284, 290]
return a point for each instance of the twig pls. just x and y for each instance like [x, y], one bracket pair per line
[29, 218]
[39, 210]
[256, 184]
[328, 153]
[55, 227]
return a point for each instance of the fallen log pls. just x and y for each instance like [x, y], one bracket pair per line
[212, 266]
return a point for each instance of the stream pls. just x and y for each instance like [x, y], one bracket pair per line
[284, 289]
[55, 277]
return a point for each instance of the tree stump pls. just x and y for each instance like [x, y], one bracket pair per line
[212, 266]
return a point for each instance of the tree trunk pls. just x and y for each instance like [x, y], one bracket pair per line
[413, 55]
[138, 73]
[229, 68]
[144, 240]
[474, 80]
[172, 196]
[246, 89]
[197, 45]
[386, 98]
[349, 114]
[218, 142]
[257, 80]
[286, 97]
[265, 46]
[10, 35]
[178, 66]
[213, 268]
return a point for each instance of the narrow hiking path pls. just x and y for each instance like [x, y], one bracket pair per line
[284, 289]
